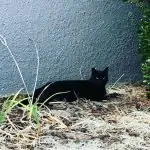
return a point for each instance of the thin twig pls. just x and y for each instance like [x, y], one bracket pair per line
[12, 124]
[4, 42]
[44, 90]
[117, 81]
[81, 76]
[53, 96]
[37, 71]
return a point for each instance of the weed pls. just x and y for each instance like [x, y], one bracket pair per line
[32, 110]
[8, 105]
[144, 40]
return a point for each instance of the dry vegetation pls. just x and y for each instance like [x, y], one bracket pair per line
[122, 122]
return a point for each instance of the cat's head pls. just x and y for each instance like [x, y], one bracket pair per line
[99, 75]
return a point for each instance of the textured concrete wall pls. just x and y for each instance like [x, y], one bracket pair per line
[70, 35]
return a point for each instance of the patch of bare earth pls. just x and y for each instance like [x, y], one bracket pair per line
[120, 123]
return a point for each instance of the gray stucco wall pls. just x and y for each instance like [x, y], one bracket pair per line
[70, 35]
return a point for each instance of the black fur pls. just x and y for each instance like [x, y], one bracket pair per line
[93, 89]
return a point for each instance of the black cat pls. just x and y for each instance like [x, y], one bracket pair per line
[71, 90]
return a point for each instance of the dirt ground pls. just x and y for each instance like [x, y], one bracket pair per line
[120, 123]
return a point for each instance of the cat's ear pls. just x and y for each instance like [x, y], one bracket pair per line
[94, 71]
[106, 70]
[105, 73]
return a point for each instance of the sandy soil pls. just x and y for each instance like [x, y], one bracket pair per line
[120, 123]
